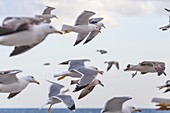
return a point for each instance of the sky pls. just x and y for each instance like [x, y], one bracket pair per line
[132, 35]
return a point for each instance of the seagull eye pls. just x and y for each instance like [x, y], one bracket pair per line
[51, 27]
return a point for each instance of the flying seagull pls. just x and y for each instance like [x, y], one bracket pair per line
[166, 86]
[56, 95]
[46, 15]
[9, 83]
[115, 104]
[82, 26]
[97, 22]
[74, 66]
[110, 63]
[101, 51]
[25, 33]
[147, 67]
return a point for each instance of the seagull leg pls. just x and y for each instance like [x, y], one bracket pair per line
[49, 109]
[67, 31]
[62, 77]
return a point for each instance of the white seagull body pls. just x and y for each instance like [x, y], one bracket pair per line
[9, 83]
[82, 26]
[26, 35]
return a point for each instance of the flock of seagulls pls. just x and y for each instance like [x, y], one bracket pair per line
[24, 33]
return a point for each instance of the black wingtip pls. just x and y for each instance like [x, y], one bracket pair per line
[73, 107]
[86, 41]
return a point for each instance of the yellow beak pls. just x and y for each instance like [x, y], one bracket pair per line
[35, 81]
[101, 72]
[99, 31]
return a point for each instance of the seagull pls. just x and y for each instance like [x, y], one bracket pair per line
[102, 51]
[9, 83]
[82, 26]
[95, 21]
[164, 28]
[167, 86]
[89, 88]
[110, 63]
[57, 96]
[88, 75]
[163, 103]
[26, 34]
[147, 67]
[46, 15]
[114, 105]
[72, 68]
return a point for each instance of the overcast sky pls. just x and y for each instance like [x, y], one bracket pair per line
[132, 35]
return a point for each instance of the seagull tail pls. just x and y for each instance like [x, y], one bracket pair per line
[67, 28]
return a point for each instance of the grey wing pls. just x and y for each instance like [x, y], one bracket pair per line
[85, 80]
[86, 91]
[21, 49]
[77, 63]
[114, 104]
[160, 100]
[91, 36]
[146, 63]
[48, 10]
[109, 66]
[95, 20]
[67, 100]
[9, 76]
[54, 89]
[11, 95]
[83, 18]
[80, 37]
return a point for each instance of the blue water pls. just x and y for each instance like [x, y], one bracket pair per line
[83, 110]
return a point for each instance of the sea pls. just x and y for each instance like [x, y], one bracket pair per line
[80, 110]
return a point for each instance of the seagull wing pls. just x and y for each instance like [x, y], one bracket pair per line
[167, 9]
[11, 95]
[9, 76]
[86, 91]
[95, 20]
[91, 36]
[54, 89]
[48, 10]
[114, 104]
[86, 79]
[83, 18]
[80, 38]
[109, 66]
[161, 100]
[67, 100]
[21, 49]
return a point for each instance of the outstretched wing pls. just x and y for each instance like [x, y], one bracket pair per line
[114, 104]
[83, 18]
[48, 10]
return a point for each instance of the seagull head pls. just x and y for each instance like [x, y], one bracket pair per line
[132, 109]
[47, 28]
[31, 79]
